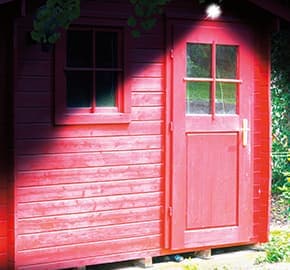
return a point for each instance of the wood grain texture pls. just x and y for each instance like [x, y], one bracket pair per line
[89, 219]
[262, 137]
[84, 160]
[5, 133]
[61, 207]
[95, 190]
[87, 235]
[87, 175]
[76, 251]
[95, 193]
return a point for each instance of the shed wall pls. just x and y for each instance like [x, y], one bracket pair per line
[87, 194]
[5, 137]
[262, 137]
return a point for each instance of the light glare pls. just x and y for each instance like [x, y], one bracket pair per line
[213, 11]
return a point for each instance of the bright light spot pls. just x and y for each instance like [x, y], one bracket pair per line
[213, 11]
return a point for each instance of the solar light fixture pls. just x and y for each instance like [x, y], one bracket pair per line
[213, 11]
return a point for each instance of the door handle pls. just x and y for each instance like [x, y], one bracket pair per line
[245, 129]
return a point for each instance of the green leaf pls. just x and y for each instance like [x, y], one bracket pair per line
[135, 33]
[139, 11]
[148, 24]
[35, 36]
[53, 38]
[132, 21]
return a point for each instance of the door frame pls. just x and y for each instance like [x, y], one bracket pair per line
[174, 222]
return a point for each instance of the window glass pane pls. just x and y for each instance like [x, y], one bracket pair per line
[226, 96]
[198, 97]
[79, 49]
[226, 61]
[79, 88]
[198, 60]
[106, 49]
[106, 88]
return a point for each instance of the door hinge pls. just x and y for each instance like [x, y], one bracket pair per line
[171, 54]
[171, 126]
[170, 211]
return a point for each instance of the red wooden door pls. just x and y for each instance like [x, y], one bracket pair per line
[212, 71]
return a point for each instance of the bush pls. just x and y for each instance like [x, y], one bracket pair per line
[278, 248]
[280, 89]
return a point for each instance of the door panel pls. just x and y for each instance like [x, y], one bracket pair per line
[208, 205]
[212, 82]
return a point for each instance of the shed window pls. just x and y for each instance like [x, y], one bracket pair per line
[90, 77]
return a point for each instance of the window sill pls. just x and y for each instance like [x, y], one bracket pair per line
[92, 118]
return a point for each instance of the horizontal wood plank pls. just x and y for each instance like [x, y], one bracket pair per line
[93, 144]
[87, 175]
[155, 40]
[147, 84]
[33, 68]
[144, 99]
[61, 207]
[154, 70]
[32, 131]
[93, 260]
[84, 160]
[87, 190]
[45, 115]
[32, 99]
[87, 235]
[33, 84]
[147, 113]
[74, 252]
[147, 55]
[88, 220]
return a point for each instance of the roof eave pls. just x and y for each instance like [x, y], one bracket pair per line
[275, 8]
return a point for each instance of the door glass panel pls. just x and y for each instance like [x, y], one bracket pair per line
[226, 61]
[198, 60]
[198, 97]
[226, 96]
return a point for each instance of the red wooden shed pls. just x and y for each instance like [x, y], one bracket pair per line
[115, 148]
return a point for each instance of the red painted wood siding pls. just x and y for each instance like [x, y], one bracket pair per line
[262, 137]
[89, 194]
[5, 125]
[92, 193]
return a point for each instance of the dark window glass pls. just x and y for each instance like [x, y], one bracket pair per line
[106, 85]
[106, 49]
[82, 87]
[79, 49]
[79, 88]
[198, 58]
[226, 61]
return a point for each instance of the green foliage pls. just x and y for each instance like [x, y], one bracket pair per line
[280, 90]
[55, 15]
[285, 196]
[278, 248]
[145, 15]
[52, 17]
